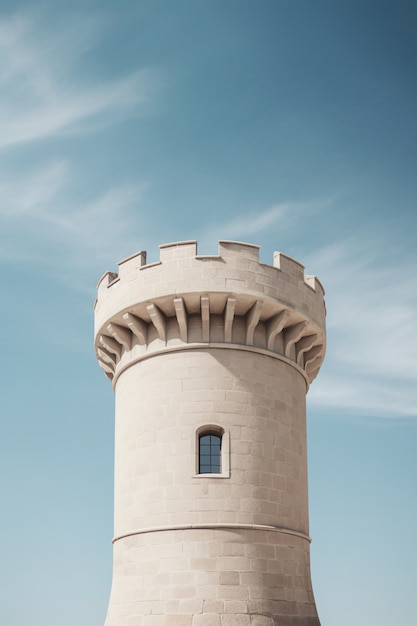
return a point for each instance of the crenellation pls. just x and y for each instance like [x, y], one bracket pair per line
[131, 263]
[106, 279]
[314, 283]
[290, 268]
[235, 254]
[178, 250]
[225, 274]
[227, 248]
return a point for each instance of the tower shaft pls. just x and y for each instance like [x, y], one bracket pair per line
[210, 370]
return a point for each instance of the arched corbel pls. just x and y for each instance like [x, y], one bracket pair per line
[111, 345]
[303, 345]
[158, 319]
[138, 327]
[292, 335]
[229, 315]
[252, 319]
[121, 334]
[181, 313]
[205, 318]
[275, 325]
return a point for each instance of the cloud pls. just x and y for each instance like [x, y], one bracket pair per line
[286, 215]
[372, 316]
[50, 211]
[255, 223]
[365, 395]
[40, 220]
[29, 196]
[41, 96]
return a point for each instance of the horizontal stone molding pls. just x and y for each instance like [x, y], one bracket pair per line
[214, 526]
[201, 346]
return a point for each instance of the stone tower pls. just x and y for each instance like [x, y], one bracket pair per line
[210, 358]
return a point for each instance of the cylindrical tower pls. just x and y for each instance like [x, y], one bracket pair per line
[210, 358]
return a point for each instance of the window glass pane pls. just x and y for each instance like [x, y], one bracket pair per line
[210, 453]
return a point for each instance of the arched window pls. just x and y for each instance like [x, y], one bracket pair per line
[210, 453]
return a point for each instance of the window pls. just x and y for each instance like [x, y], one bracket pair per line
[209, 458]
[212, 451]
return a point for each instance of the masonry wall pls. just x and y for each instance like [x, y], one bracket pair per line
[192, 550]
[212, 577]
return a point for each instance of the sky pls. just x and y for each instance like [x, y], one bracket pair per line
[285, 123]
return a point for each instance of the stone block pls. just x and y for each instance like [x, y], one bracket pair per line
[206, 619]
[236, 620]
[229, 578]
[178, 620]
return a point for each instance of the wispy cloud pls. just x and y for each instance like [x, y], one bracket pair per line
[372, 316]
[254, 223]
[366, 395]
[32, 195]
[40, 220]
[250, 224]
[40, 95]
[284, 215]
[49, 210]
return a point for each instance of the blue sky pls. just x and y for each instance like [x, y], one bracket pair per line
[286, 123]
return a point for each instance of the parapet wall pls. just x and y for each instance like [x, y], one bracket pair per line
[227, 300]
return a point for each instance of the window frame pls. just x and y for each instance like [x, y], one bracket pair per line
[213, 429]
[210, 452]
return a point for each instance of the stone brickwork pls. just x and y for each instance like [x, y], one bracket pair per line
[229, 343]
[230, 577]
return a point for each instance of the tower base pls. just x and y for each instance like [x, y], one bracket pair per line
[212, 577]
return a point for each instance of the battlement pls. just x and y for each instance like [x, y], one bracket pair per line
[229, 252]
[228, 299]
